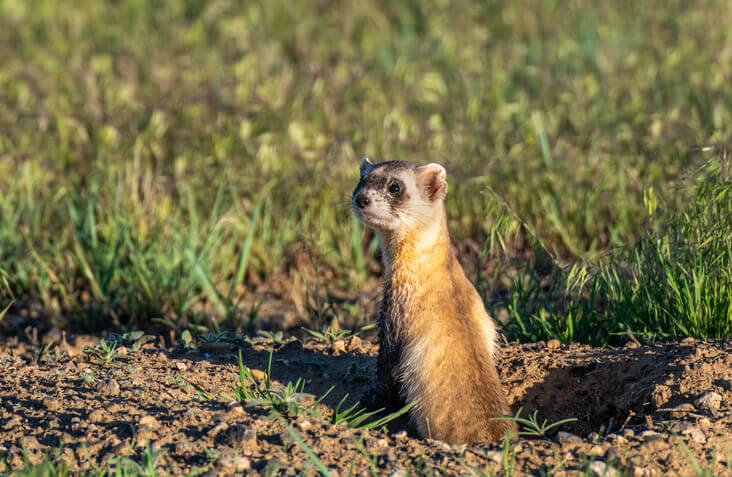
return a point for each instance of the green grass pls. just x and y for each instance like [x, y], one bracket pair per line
[158, 160]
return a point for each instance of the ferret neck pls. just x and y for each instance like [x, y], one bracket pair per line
[421, 249]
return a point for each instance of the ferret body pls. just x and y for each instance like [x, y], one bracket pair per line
[437, 341]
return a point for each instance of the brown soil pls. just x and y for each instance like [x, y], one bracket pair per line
[637, 410]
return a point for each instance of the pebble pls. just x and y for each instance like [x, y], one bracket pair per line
[711, 401]
[568, 438]
[553, 344]
[600, 469]
[695, 434]
[305, 425]
[495, 456]
[401, 435]
[181, 366]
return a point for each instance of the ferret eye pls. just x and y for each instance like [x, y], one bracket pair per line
[395, 189]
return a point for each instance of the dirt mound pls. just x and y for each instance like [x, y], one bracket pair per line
[642, 409]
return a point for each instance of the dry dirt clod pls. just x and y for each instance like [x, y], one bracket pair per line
[711, 401]
[681, 410]
[355, 345]
[338, 347]
[218, 429]
[108, 388]
[597, 451]
[29, 443]
[150, 422]
[96, 416]
[568, 438]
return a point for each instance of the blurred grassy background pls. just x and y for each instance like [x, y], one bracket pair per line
[188, 164]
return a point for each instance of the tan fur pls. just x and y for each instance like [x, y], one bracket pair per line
[445, 339]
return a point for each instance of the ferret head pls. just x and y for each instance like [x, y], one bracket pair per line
[397, 196]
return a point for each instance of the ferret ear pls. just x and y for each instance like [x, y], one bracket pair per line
[365, 166]
[434, 180]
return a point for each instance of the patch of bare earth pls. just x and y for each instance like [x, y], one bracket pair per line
[643, 410]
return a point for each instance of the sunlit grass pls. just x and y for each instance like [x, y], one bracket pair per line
[159, 162]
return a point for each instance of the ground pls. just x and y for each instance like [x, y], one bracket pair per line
[639, 410]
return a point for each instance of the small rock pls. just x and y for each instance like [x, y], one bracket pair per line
[305, 425]
[338, 347]
[401, 435]
[122, 351]
[399, 473]
[688, 341]
[649, 434]
[704, 423]
[382, 443]
[600, 469]
[696, 435]
[568, 438]
[495, 456]
[150, 422]
[711, 401]
[553, 344]
[181, 366]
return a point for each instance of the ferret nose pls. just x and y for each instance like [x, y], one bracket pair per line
[362, 201]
